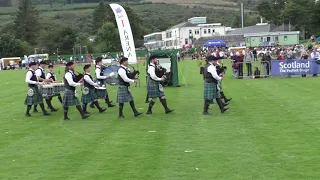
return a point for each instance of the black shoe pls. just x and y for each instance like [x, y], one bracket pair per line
[121, 117]
[86, 112]
[149, 112]
[227, 100]
[147, 102]
[225, 104]
[206, 113]
[66, 119]
[92, 105]
[136, 114]
[54, 110]
[35, 111]
[28, 115]
[169, 111]
[224, 110]
[102, 110]
[46, 113]
[85, 116]
[111, 105]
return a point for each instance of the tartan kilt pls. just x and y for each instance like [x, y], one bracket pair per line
[210, 91]
[123, 94]
[69, 98]
[101, 93]
[91, 96]
[153, 89]
[35, 99]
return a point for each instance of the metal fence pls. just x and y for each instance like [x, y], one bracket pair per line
[256, 69]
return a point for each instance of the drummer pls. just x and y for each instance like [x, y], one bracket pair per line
[89, 94]
[102, 94]
[34, 97]
[52, 78]
[40, 73]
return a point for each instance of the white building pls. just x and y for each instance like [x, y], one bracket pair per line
[186, 33]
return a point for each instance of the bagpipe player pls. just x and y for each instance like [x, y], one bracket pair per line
[52, 78]
[88, 93]
[124, 92]
[102, 94]
[154, 87]
[34, 97]
[211, 79]
[70, 95]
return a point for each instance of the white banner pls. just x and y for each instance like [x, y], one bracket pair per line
[125, 32]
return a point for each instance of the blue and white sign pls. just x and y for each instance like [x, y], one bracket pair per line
[294, 67]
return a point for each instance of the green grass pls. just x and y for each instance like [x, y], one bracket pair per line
[271, 132]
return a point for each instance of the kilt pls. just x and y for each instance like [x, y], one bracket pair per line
[210, 91]
[35, 99]
[153, 89]
[101, 93]
[123, 94]
[69, 98]
[91, 96]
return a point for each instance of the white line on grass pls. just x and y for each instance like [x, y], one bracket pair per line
[185, 82]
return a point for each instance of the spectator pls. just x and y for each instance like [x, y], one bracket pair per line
[255, 55]
[239, 62]
[266, 60]
[316, 56]
[304, 55]
[281, 56]
[249, 58]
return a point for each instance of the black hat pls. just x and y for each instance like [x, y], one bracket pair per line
[70, 63]
[98, 59]
[211, 58]
[32, 64]
[124, 59]
[43, 62]
[50, 66]
[152, 57]
[87, 66]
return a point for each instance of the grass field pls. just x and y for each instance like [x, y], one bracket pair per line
[271, 132]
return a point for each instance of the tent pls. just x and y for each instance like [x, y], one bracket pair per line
[167, 59]
[212, 43]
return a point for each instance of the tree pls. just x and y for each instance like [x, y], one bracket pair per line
[26, 22]
[108, 38]
[271, 10]
[11, 47]
[99, 16]
[62, 38]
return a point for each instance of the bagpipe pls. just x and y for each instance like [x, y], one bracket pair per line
[221, 69]
[160, 71]
[134, 74]
[78, 76]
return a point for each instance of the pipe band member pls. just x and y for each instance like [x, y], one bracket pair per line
[124, 92]
[102, 94]
[51, 77]
[70, 94]
[211, 91]
[34, 97]
[154, 87]
[89, 94]
[40, 73]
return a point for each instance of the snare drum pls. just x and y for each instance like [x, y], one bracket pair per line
[58, 88]
[101, 92]
[46, 90]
